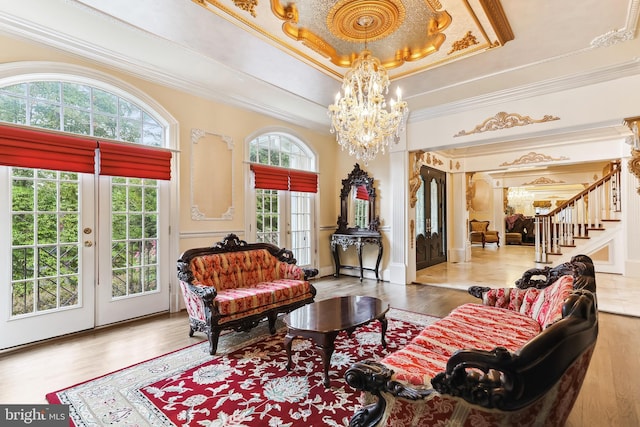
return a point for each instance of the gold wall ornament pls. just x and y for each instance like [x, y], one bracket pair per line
[471, 189]
[415, 180]
[533, 157]
[504, 120]
[634, 165]
[544, 180]
[468, 40]
[412, 228]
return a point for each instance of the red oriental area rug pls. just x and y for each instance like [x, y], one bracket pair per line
[245, 384]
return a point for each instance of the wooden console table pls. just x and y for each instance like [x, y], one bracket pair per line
[343, 241]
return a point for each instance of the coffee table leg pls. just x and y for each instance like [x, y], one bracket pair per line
[326, 343]
[288, 340]
[327, 351]
[383, 325]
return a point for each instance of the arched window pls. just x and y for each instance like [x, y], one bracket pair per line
[81, 249]
[80, 109]
[282, 215]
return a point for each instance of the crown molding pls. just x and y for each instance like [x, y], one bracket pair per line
[316, 120]
[605, 74]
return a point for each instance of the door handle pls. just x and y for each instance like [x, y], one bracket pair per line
[88, 243]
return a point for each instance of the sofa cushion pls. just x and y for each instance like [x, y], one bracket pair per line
[239, 300]
[262, 295]
[547, 309]
[470, 326]
[242, 269]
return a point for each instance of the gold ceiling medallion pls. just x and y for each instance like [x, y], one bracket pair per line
[544, 180]
[468, 40]
[365, 20]
[360, 21]
[533, 157]
[247, 6]
[504, 120]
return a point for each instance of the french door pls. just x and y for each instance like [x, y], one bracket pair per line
[430, 218]
[79, 251]
[284, 218]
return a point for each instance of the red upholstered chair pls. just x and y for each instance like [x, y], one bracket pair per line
[480, 233]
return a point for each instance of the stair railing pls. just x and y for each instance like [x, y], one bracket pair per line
[574, 218]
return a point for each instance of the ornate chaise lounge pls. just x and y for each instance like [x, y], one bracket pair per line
[235, 285]
[519, 358]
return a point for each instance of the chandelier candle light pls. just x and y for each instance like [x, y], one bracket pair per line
[359, 117]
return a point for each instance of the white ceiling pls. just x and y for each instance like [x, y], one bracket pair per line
[182, 44]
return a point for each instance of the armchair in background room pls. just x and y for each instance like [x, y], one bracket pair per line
[480, 233]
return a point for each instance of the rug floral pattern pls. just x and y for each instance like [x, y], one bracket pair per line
[245, 384]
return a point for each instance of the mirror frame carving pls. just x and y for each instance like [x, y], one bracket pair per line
[196, 214]
[356, 178]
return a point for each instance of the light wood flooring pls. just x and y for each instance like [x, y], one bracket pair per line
[493, 266]
[610, 395]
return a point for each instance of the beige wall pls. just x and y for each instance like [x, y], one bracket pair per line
[191, 112]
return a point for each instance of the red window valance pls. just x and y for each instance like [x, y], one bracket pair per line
[134, 161]
[270, 178]
[362, 193]
[306, 182]
[275, 178]
[42, 149]
[38, 149]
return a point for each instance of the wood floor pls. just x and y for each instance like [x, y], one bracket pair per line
[610, 395]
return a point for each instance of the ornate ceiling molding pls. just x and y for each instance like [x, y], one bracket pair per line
[533, 157]
[344, 21]
[504, 120]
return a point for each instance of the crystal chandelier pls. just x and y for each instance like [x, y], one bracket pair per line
[359, 117]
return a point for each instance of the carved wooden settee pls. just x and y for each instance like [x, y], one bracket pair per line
[519, 358]
[235, 284]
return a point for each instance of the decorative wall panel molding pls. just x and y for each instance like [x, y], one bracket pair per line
[212, 161]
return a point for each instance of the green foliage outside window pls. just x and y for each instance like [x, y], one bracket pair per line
[45, 207]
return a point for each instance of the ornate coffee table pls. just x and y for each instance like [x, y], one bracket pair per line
[323, 320]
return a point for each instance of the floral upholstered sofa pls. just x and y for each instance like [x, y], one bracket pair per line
[235, 285]
[518, 358]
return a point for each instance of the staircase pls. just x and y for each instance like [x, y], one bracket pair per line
[589, 223]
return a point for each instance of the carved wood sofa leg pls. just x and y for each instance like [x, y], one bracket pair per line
[213, 341]
[272, 316]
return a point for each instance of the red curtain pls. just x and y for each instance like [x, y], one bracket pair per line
[38, 149]
[134, 161]
[362, 193]
[275, 178]
[270, 178]
[306, 182]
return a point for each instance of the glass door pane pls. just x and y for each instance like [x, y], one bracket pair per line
[49, 239]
